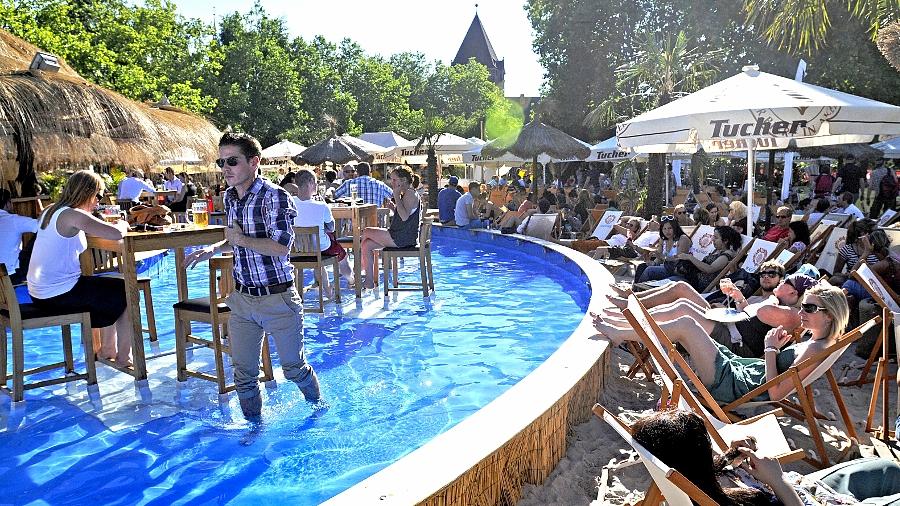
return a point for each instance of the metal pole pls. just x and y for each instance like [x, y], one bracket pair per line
[751, 166]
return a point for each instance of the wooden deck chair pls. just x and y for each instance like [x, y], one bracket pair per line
[669, 485]
[805, 411]
[759, 253]
[811, 254]
[840, 219]
[747, 243]
[702, 241]
[542, 226]
[886, 217]
[664, 355]
[606, 223]
[828, 255]
[886, 298]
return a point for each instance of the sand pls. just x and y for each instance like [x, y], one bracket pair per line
[593, 444]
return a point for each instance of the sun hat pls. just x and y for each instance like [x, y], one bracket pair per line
[800, 282]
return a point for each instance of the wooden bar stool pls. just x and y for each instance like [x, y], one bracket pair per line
[422, 251]
[306, 253]
[212, 310]
[107, 264]
[19, 317]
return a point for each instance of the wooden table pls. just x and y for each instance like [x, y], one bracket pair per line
[352, 213]
[135, 242]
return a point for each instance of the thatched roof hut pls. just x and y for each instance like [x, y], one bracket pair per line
[336, 149]
[51, 120]
[537, 138]
[859, 151]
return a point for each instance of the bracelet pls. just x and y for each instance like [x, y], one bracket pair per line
[767, 349]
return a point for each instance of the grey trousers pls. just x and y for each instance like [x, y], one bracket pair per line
[281, 315]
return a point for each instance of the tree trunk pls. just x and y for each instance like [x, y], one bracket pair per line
[431, 178]
[656, 190]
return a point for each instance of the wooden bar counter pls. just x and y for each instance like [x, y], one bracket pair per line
[134, 242]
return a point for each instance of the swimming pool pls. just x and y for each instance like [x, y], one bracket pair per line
[396, 374]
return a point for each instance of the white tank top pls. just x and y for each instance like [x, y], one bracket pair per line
[54, 267]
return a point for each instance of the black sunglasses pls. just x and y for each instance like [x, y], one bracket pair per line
[231, 161]
[99, 195]
[770, 274]
[811, 308]
[679, 212]
[782, 216]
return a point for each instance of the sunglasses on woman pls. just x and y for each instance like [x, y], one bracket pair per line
[811, 308]
[231, 161]
[667, 217]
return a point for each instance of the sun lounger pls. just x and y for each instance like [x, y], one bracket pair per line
[664, 355]
[668, 484]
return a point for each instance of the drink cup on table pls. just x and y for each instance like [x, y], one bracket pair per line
[354, 189]
[111, 213]
[199, 214]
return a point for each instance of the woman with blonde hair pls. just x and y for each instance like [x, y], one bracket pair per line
[737, 216]
[54, 276]
[824, 314]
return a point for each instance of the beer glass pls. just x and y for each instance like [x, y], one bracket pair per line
[354, 190]
[200, 214]
[111, 213]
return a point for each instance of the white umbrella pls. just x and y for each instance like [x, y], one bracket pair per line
[891, 148]
[284, 150]
[609, 151]
[758, 111]
[384, 139]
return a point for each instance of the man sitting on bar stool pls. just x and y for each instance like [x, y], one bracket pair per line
[12, 251]
[260, 231]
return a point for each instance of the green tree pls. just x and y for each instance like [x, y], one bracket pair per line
[142, 52]
[258, 88]
[663, 70]
[802, 26]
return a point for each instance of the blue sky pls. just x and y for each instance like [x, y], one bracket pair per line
[433, 27]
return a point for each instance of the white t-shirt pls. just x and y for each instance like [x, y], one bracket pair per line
[131, 187]
[854, 211]
[460, 214]
[12, 226]
[313, 213]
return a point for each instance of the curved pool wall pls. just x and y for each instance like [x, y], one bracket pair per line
[520, 436]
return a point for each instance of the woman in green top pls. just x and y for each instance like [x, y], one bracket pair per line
[824, 314]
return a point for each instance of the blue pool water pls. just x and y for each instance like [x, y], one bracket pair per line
[395, 373]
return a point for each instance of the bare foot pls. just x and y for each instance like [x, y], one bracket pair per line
[619, 302]
[620, 291]
[606, 330]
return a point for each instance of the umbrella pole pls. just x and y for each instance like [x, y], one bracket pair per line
[751, 166]
[769, 175]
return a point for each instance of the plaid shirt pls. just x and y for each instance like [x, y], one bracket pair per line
[266, 211]
[370, 190]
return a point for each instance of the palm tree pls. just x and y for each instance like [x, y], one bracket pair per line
[802, 25]
[660, 72]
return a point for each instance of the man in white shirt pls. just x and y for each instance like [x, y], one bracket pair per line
[315, 213]
[131, 187]
[845, 206]
[465, 214]
[12, 226]
[173, 184]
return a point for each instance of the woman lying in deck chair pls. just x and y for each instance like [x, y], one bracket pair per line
[824, 314]
[679, 439]
[743, 338]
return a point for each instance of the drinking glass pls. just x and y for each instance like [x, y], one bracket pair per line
[200, 214]
[354, 189]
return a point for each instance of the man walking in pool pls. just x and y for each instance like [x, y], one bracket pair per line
[259, 216]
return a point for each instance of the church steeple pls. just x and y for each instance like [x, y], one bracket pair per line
[476, 44]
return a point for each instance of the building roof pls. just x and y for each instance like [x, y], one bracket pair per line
[477, 45]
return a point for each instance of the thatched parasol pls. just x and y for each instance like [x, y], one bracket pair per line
[335, 149]
[49, 120]
[889, 43]
[537, 138]
[859, 151]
